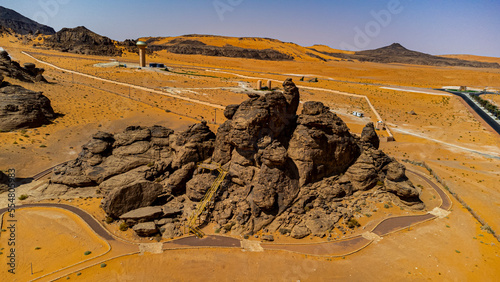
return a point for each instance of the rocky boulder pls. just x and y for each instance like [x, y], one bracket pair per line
[142, 215]
[300, 231]
[130, 197]
[146, 229]
[23, 108]
[193, 145]
[369, 135]
[28, 73]
[197, 187]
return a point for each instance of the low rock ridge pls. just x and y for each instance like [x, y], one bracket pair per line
[301, 174]
[28, 73]
[194, 47]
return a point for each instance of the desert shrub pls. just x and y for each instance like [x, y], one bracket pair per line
[109, 220]
[284, 231]
[246, 236]
[87, 253]
[23, 197]
[386, 206]
[352, 223]
[487, 228]
[103, 265]
[217, 230]
[380, 183]
[228, 226]
[123, 226]
[37, 248]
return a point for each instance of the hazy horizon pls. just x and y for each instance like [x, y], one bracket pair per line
[444, 27]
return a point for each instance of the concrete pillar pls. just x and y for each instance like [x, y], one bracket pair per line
[269, 84]
[142, 53]
[259, 85]
[142, 57]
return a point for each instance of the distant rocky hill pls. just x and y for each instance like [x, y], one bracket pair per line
[236, 47]
[20, 24]
[396, 53]
[301, 174]
[194, 47]
[81, 40]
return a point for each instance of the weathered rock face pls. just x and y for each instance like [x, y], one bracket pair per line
[80, 40]
[142, 215]
[369, 135]
[321, 144]
[146, 229]
[28, 73]
[130, 197]
[23, 108]
[4, 182]
[297, 174]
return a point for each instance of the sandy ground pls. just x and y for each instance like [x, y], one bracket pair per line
[494, 99]
[48, 238]
[443, 133]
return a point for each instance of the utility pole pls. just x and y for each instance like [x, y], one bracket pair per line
[215, 120]
[31, 268]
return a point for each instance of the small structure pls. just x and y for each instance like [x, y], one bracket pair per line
[269, 84]
[142, 53]
[357, 114]
[462, 88]
[156, 65]
[380, 125]
[259, 85]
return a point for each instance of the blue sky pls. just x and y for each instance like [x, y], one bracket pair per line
[431, 26]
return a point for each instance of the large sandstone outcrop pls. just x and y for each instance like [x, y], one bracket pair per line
[300, 174]
[321, 144]
[22, 108]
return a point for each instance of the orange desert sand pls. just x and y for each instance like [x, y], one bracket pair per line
[443, 133]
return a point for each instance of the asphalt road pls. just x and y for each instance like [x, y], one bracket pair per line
[491, 122]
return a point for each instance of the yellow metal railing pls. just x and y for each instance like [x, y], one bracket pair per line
[202, 206]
